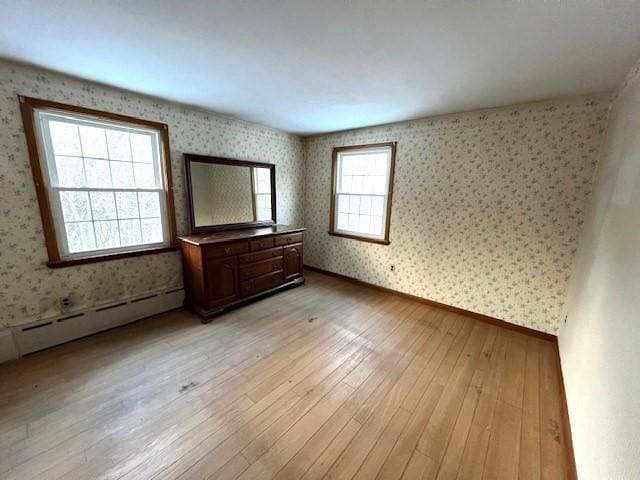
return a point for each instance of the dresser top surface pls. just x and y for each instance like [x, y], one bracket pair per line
[210, 238]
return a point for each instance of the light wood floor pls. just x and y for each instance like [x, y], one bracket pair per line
[329, 380]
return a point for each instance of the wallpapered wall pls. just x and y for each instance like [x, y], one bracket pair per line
[486, 211]
[30, 290]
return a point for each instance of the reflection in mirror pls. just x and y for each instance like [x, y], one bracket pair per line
[262, 187]
[224, 194]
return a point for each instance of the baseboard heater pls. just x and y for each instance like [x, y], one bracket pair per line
[59, 329]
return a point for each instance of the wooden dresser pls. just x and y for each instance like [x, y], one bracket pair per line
[223, 269]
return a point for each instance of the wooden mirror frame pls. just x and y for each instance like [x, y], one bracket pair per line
[192, 157]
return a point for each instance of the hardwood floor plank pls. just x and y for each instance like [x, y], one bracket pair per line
[529, 465]
[553, 443]
[329, 380]
[450, 347]
[387, 439]
[475, 450]
[503, 453]
[420, 467]
[288, 444]
[435, 438]
[328, 457]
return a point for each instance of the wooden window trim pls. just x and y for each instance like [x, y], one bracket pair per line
[28, 106]
[334, 183]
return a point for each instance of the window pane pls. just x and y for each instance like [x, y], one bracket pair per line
[264, 186]
[343, 203]
[94, 142]
[349, 166]
[119, 146]
[363, 225]
[368, 185]
[122, 174]
[130, 232]
[379, 185]
[127, 203]
[376, 205]
[354, 204]
[344, 184]
[70, 172]
[263, 180]
[365, 205]
[381, 164]
[343, 221]
[98, 173]
[151, 230]
[263, 207]
[356, 184]
[103, 206]
[149, 203]
[369, 165]
[141, 150]
[353, 222]
[75, 206]
[144, 175]
[107, 235]
[64, 138]
[88, 162]
[80, 237]
[376, 225]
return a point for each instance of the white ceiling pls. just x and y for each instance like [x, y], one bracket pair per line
[308, 66]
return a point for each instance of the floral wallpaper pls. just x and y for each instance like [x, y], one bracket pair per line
[28, 289]
[486, 211]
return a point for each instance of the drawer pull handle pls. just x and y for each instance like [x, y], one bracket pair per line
[227, 250]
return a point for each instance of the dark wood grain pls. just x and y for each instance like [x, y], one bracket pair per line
[234, 235]
[293, 261]
[189, 158]
[221, 272]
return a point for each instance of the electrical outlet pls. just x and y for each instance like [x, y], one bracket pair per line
[65, 304]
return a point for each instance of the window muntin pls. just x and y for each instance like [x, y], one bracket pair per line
[106, 184]
[362, 186]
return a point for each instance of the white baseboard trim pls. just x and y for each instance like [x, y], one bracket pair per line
[47, 332]
[8, 350]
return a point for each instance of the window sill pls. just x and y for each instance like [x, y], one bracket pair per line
[362, 239]
[108, 257]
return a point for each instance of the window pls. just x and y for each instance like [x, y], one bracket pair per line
[262, 193]
[103, 182]
[361, 191]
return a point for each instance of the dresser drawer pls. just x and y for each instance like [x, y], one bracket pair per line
[258, 256]
[226, 250]
[289, 239]
[260, 268]
[261, 244]
[260, 284]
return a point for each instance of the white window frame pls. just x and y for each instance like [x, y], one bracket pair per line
[338, 154]
[42, 117]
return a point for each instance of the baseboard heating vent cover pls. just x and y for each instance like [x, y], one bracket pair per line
[52, 331]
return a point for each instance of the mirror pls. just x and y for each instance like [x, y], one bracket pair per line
[227, 193]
